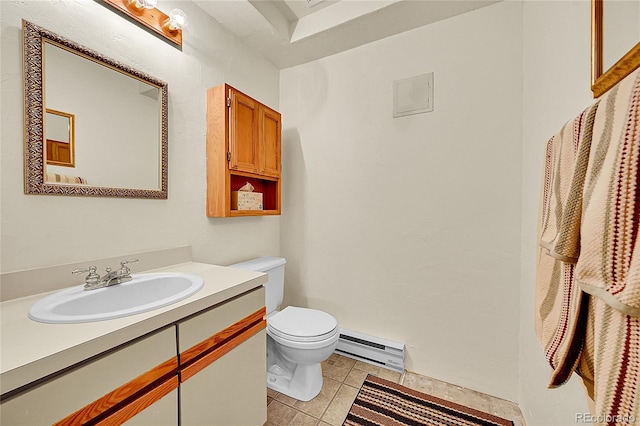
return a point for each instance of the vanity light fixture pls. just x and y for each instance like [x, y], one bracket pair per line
[145, 12]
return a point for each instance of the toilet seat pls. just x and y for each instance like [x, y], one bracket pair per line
[302, 325]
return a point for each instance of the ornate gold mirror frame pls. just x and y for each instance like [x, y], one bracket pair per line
[34, 38]
[603, 80]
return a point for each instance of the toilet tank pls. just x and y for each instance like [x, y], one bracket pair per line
[274, 267]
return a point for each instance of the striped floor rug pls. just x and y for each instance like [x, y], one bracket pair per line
[381, 402]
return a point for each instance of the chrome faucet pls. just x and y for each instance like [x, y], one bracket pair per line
[94, 281]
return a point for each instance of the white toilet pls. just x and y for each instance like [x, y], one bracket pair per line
[298, 339]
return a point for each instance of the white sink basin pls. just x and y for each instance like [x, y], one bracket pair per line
[144, 293]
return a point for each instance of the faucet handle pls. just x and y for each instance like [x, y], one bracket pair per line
[92, 278]
[124, 263]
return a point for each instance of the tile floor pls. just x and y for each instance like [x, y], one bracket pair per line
[342, 379]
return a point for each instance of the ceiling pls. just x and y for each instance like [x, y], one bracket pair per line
[292, 32]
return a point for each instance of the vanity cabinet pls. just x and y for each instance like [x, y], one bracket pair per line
[223, 351]
[101, 390]
[243, 145]
[206, 369]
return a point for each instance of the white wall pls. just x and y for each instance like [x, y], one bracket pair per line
[409, 228]
[40, 231]
[556, 81]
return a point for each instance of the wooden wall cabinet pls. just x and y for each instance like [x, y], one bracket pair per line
[243, 145]
[58, 153]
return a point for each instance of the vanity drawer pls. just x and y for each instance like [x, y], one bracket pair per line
[98, 385]
[201, 327]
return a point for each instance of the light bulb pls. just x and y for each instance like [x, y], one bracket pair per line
[177, 19]
[139, 5]
[147, 4]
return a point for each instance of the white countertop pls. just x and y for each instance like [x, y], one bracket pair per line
[30, 350]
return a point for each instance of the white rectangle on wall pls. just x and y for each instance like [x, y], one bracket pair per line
[413, 95]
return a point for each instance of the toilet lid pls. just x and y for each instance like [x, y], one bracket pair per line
[302, 324]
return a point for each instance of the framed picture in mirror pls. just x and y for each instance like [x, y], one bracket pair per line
[59, 134]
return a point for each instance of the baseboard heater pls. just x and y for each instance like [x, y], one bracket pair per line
[372, 350]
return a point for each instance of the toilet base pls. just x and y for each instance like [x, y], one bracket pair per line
[304, 385]
[294, 368]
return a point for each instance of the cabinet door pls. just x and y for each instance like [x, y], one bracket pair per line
[243, 133]
[162, 413]
[230, 391]
[223, 364]
[101, 386]
[270, 128]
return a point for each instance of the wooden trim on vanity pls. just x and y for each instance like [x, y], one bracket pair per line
[209, 350]
[140, 404]
[129, 399]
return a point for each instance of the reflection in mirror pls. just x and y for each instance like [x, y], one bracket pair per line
[615, 42]
[59, 134]
[119, 117]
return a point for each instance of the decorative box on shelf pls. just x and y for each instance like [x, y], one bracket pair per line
[244, 200]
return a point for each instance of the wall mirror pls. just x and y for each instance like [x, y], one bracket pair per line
[115, 117]
[615, 42]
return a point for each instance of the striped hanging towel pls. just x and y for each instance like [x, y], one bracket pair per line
[588, 266]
